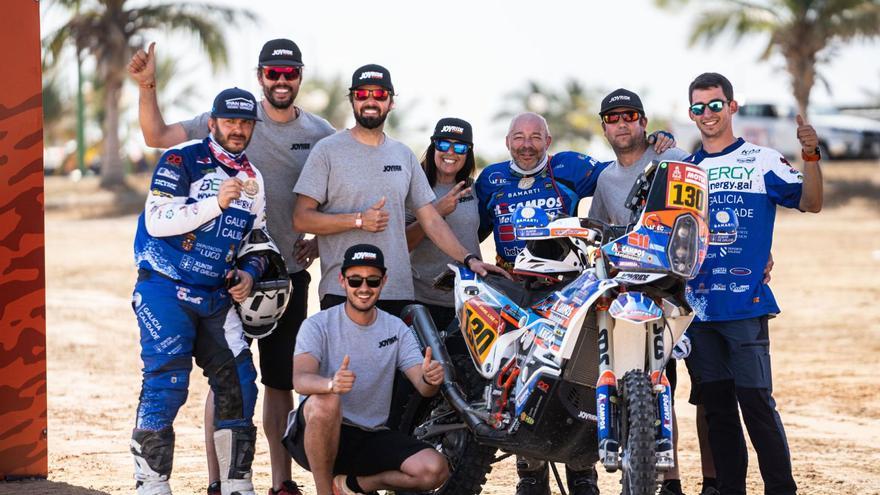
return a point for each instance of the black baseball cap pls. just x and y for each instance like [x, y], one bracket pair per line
[452, 128]
[235, 103]
[372, 74]
[621, 98]
[281, 52]
[363, 255]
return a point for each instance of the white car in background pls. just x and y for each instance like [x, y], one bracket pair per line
[773, 125]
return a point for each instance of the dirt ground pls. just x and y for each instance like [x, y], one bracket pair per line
[824, 347]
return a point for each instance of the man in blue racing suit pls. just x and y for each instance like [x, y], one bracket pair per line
[556, 184]
[204, 199]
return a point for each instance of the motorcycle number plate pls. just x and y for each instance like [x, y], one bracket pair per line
[686, 188]
[482, 329]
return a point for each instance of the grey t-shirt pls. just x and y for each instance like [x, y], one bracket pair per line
[374, 352]
[428, 261]
[616, 181]
[346, 176]
[279, 151]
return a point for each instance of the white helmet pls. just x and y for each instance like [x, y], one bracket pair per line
[548, 257]
[263, 308]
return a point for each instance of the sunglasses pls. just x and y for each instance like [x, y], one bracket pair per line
[377, 94]
[356, 281]
[715, 106]
[443, 146]
[274, 73]
[628, 116]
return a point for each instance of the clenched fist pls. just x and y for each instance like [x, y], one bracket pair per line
[230, 190]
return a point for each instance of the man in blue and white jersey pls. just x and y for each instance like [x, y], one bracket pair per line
[730, 358]
[532, 177]
[204, 199]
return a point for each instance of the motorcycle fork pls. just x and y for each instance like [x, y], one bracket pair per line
[664, 451]
[607, 412]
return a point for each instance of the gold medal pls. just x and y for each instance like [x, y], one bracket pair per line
[251, 187]
[526, 182]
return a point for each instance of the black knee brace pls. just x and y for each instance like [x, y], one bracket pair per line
[155, 449]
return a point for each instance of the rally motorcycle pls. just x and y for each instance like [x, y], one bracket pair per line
[567, 364]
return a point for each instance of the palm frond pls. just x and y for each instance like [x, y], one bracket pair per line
[739, 22]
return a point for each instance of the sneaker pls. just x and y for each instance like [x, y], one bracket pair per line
[671, 488]
[533, 482]
[582, 482]
[710, 490]
[214, 488]
[288, 487]
[340, 487]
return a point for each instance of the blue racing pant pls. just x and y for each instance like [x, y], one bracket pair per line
[179, 323]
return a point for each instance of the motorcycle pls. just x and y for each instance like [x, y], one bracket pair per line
[568, 365]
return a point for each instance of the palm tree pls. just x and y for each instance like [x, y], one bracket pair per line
[109, 31]
[570, 114]
[805, 32]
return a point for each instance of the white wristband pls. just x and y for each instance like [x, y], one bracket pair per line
[330, 386]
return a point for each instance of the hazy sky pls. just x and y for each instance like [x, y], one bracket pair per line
[460, 58]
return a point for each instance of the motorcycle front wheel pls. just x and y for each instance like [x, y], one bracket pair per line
[639, 468]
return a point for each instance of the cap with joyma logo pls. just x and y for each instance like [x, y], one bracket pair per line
[363, 255]
[372, 74]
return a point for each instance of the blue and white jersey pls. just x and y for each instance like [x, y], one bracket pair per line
[567, 178]
[751, 180]
[183, 233]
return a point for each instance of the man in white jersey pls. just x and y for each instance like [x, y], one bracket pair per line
[730, 358]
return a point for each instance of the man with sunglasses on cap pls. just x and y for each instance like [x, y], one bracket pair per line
[624, 123]
[356, 187]
[204, 199]
[730, 358]
[345, 361]
[281, 143]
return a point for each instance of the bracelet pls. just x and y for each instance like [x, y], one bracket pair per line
[468, 257]
[359, 221]
[330, 386]
[150, 85]
[811, 157]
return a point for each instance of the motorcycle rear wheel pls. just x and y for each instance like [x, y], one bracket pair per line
[639, 473]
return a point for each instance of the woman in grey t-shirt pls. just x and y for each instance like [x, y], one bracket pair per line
[449, 164]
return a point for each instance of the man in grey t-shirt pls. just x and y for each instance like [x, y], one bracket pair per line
[355, 188]
[624, 123]
[344, 364]
[282, 140]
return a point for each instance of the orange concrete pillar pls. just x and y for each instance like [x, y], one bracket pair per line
[23, 443]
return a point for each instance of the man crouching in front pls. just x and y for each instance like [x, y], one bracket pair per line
[344, 362]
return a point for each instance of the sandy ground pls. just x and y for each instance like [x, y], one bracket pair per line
[824, 346]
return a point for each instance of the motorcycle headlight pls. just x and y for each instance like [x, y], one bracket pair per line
[683, 247]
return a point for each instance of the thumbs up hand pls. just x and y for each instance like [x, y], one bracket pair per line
[432, 371]
[375, 219]
[343, 380]
[142, 66]
[807, 136]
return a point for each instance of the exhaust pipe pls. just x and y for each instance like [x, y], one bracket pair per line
[419, 318]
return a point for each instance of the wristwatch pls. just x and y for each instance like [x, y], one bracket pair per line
[359, 221]
[468, 257]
